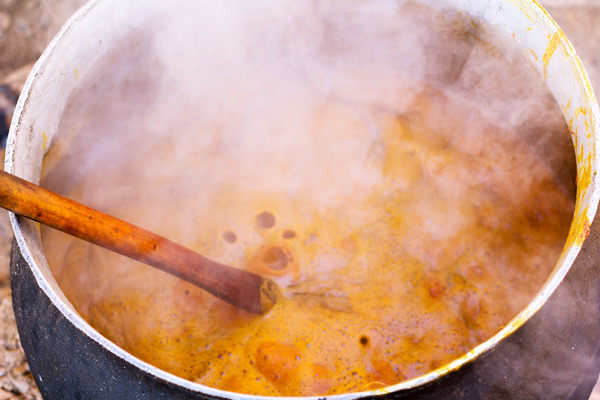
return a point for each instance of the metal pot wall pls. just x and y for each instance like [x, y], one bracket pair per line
[560, 328]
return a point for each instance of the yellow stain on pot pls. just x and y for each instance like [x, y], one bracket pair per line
[581, 111]
[531, 9]
[578, 114]
[567, 106]
[559, 39]
[45, 142]
[76, 73]
[534, 55]
[580, 227]
[585, 229]
[554, 42]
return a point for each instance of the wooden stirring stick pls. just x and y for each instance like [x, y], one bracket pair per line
[241, 288]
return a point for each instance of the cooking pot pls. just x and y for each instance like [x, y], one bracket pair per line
[558, 331]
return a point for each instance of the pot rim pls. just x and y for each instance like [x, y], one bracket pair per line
[562, 267]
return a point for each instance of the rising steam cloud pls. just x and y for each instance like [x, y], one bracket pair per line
[297, 109]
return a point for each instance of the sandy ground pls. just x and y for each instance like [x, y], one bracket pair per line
[26, 26]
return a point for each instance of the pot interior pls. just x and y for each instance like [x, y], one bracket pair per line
[243, 150]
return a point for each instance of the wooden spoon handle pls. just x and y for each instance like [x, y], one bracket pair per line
[241, 288]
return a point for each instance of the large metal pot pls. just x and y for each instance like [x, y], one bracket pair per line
[559, 330]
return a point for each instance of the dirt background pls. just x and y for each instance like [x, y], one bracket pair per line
[26, 27]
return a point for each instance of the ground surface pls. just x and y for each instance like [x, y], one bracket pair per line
[26, 26]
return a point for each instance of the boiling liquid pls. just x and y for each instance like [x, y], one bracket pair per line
[405, 224]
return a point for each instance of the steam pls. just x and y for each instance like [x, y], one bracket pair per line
[402, 148]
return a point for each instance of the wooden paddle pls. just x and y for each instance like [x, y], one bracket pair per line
[241, 288]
